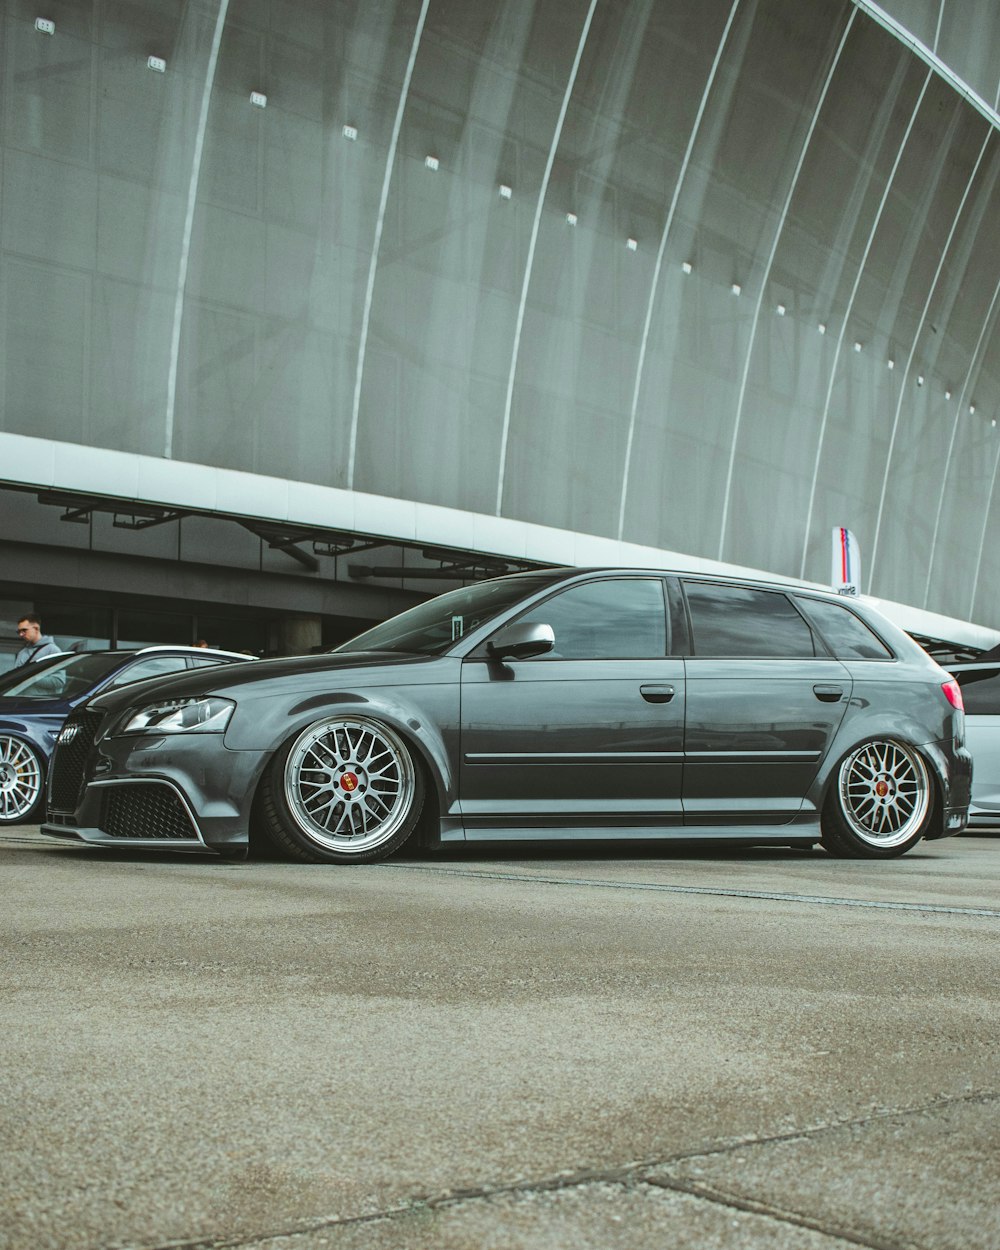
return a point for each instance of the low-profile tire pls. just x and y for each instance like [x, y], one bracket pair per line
[880, 801]
[22, 782]
[346, 790]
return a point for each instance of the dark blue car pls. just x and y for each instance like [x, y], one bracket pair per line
[36, 699]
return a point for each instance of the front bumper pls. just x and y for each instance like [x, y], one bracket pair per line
[177, 792]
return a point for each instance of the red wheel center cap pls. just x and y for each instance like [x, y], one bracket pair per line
[881, 789]
[349, 781]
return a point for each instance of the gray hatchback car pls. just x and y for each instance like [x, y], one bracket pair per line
[560, 704]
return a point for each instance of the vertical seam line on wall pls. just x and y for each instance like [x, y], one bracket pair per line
[657, 267]
[505, 432]
[982, 537]
[767, 276]
[954, 433]
[390, 162]
[192, 197]
[847, 316]
[913, 351]
[955, 424]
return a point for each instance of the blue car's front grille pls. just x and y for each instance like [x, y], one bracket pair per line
[66, 771]
[147, 810]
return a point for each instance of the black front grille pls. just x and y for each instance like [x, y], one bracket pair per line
[145, 809]
[66, 772]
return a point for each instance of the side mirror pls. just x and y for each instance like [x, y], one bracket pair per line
[521, 642]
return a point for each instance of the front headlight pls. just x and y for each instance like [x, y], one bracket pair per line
[206, 715]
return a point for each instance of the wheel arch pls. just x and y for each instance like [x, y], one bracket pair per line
[425, 740]
[854, 732]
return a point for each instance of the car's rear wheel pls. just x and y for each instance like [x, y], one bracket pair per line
[345, 790]
[879, 803]
[22, 781]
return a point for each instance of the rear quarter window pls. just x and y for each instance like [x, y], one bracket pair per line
[847, 636]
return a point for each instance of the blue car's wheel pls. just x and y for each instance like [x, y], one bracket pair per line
[22, 776]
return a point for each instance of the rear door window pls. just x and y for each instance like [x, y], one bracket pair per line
[736, 622]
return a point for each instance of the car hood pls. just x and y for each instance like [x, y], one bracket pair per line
[14, 705]
[229, 679]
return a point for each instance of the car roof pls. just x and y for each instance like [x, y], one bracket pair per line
[709, 575]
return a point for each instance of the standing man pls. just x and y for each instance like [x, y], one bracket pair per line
[36, 644]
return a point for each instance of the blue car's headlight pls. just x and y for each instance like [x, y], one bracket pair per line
[205, 715]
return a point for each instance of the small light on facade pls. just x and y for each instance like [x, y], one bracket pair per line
[505, 191]
[432, 163]
[781, 310]
[350, 132]
[822, 327]
[632, 244]
[45, 26]
[571, 219]
[157, 63]
[258, 99]
[736, 288]
[857, 347]
[686, 266]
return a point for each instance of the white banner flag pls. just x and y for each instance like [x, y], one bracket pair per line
[845, 576]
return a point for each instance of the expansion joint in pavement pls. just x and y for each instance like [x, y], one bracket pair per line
[753, 1206]
[659, 887]
[634, 1175]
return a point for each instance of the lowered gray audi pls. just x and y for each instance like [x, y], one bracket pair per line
[562, 704]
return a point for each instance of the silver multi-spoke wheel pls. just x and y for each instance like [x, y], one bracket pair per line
[349, 784]
[20, 779]
[885, 793]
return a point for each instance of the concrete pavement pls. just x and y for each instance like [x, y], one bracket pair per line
[530, 1050]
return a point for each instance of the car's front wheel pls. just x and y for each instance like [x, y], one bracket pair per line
[879, 803]
[345, 790]
[22, 781]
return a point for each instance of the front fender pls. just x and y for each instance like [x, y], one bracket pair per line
[42, 739]
[426, 717]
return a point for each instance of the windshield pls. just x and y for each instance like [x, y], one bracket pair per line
[66, 678]
[432, 627]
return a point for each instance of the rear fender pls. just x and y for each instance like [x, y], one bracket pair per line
[853, 732]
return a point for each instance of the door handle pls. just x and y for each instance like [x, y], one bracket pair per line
[657, 694]
[828, 694]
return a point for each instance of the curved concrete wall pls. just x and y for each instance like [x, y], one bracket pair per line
[704, 275]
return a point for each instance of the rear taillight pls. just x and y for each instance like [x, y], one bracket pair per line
[953, 693]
